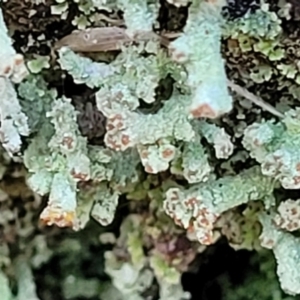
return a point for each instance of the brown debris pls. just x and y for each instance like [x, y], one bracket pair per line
[90, 120]
[25, 16]
[103, 39]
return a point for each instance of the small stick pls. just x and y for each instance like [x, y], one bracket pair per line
[102, 39]
[255, 99]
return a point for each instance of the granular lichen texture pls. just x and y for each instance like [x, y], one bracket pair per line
[138, 137]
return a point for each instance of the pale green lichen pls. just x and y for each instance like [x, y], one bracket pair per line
[262, 23]
[136, 75]
[169, 280]
[276, 147]
[67, 139]
[12, 70]
[4, 287]
[136, 274]
[139, 15]
[156, 158]
[218, 137]
[131, 280]
[39, 63]
[286, 250]
[259, 31]
[83, 69]
[26, 284]
[58, 159]
[127, 129]
[288, 216]
[199, 49]
[105, 205]
[119, 169]
[198, 208]
[192, 162]
[35, 99]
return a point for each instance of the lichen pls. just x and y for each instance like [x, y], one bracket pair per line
[151, 129]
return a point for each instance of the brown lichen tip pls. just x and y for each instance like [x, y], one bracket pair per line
[55, 216]
[14, 67]
[204, 111]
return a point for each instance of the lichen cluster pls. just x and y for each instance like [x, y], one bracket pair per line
[150, 130]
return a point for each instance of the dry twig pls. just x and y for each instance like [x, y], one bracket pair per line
[255, 99]
[102, 39]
